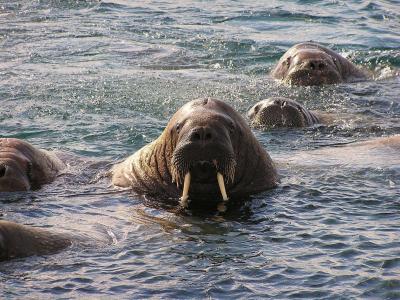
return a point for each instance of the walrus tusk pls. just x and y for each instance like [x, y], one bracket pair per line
[185, 193]
[221, 185]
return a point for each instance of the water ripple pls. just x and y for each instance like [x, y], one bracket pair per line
[97, 80]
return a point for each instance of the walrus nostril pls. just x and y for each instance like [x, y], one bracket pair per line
[201, 134]
[321, 66]
[311, 65]
[203, 166]
[3, 170]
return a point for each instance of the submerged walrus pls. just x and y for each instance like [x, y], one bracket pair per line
[20, 241]
[279, 112]
[206, 151]
[24, 167]
[313, 64]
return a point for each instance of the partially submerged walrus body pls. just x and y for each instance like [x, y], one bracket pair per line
[206, 152]
[24, 167]
[382, 152]
[313, 64]
[277, 112]
[20, 241]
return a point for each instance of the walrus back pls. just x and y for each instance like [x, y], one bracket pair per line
[21, 241]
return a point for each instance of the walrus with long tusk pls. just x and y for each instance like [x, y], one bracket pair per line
[206, 152]
[312, 64]
[24, 167]
[277, 112]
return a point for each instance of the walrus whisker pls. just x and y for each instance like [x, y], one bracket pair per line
[228, 170]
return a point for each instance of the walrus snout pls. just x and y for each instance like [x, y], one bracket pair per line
[313, 71]
[301, 75]
[315, 65]
[203, 160]
[202, 135]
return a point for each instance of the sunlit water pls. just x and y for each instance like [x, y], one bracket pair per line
[98, 80]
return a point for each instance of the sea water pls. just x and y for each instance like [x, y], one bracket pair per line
[97, 80]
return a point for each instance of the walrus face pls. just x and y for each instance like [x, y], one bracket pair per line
[308, 66]
[15, 172]
[204, 154]
[278, 112]
[18, 169]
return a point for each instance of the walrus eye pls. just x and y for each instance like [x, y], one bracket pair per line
[177, 127]
[336, 62]
[287, 61]
[257, 108]
[231, 126]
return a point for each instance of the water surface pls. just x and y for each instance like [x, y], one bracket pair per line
[98, 80]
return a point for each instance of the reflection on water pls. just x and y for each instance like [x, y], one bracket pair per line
[98, 80]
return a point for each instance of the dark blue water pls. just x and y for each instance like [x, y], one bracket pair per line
[98, 80]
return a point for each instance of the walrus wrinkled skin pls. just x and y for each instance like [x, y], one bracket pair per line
[313, 64]
[279, 112]
[24, 167]
[18, 241]
[205, 139]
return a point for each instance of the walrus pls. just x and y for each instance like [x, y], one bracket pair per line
[282, 112]
[18, 241]
[312, 64]
[24, 167]
[207, 151]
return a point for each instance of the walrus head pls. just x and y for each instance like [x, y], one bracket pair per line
[309, 64]
[18, 169]
[206, 151]
[14, 174]
[280, 112]
[204, 156]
